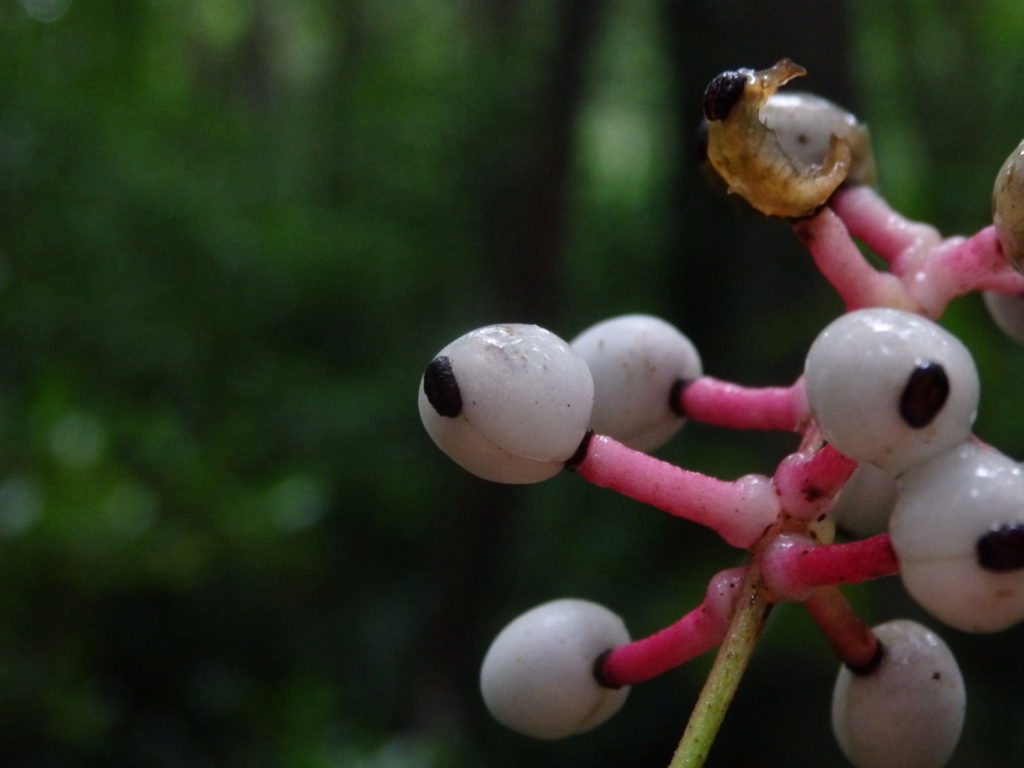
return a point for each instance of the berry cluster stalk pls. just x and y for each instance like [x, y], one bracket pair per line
[730, 663]
[885, 393]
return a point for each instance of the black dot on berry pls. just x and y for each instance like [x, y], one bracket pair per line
[599, 674]
[675, 397]
[869, 665]
[1002, 548]
[574, 461]
[722, 94]
[926, 391]
[440, 387]
[936, 675]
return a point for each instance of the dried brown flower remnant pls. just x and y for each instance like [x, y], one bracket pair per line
[747, 154]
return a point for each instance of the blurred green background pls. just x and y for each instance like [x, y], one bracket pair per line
[233, 233]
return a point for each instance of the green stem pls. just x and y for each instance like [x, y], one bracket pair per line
[745, 628]
[733, 655]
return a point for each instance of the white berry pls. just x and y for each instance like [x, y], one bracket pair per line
[804, 123]
[958, 532]
[865, 503]
[538, 675]
[891, 387]
[909, 710]
[509, 403]
[635, 361]
[1007, 312]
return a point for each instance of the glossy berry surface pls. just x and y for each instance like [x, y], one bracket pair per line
[538, 675]
[891, 387]
[804, 123]
[635, 361]
[956, 529]
[865, 503]
[908, 711]
[1007, 312]
[509, 403]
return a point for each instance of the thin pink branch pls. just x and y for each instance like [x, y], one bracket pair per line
[840, 262]
[697, 632]
[794, 566]
[892, 236]
[933, 271]
[851, 639]
[959, 266]
[739, 511]
[725, 404]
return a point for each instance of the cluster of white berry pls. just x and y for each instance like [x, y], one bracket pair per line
[884, 411]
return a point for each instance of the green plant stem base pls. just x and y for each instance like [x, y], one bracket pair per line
[733, 655]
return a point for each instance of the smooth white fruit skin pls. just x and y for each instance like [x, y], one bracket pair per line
[526, 403]
[908, 712]
[803, 124]
[943, 508]
[856, 372]
[635, 360]
[538, 675]
[1007, 312]
[866, 501]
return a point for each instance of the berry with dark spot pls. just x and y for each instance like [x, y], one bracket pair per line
[926, 392]
[441, 388]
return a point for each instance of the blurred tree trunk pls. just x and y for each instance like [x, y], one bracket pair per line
[750, 263]
[520, 171]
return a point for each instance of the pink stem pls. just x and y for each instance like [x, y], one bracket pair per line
[933, 271]
[851, 640]
[697, 632]
[807, 483]
[739, 511]
[857, 282]
[794, 566]
[869, 218]
[725, 404]
[960, 266]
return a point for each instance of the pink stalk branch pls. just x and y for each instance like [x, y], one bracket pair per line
[932, 271]
[851, 640]
[869, 218]
[840, 262]
[962, 265]
[739, 511]
[713, 401]
[697, 632]
[807, 483]
[794, 566]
